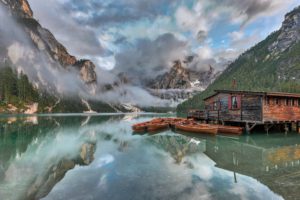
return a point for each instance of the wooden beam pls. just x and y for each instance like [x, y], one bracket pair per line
[250, 128]
[268, 126]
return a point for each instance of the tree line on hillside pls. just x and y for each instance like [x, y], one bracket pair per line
[15, 88]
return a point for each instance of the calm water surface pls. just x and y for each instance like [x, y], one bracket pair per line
[98, 157]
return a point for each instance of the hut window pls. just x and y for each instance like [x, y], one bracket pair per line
[234, 102]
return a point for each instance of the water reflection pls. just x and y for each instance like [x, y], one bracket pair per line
[273, 160]
[98, 157]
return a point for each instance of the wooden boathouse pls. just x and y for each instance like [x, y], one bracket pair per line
[249, 109]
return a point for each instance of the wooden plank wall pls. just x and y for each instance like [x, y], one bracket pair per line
[281, 112]
[251, 108]
[224, 113]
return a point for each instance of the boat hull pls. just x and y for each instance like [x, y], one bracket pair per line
[230, 130]
[141, 127]
[157, 124]
[157, 127]
[197, 129]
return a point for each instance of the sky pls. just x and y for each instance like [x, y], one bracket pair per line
[143, 37]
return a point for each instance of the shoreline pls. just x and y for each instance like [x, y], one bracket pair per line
[79, 114]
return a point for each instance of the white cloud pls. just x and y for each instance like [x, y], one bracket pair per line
[193, 21]
[205, 52]
[236, 35]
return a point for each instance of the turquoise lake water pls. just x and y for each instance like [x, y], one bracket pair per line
[82, 157]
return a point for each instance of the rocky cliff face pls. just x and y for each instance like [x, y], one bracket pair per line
[202, 79]
[19, 8]
[87, 70]
[289, 33]
[286, 43]
[180, 77]
[182, 83]
[177, 78]
[44, 41]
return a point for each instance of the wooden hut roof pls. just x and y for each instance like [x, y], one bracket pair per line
[274, 94]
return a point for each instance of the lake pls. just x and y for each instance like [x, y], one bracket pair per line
[82, 157]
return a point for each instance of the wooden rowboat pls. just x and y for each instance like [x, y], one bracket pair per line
[158, 124]
[197, 128]
[153, 127]
[230, 130]
[179, 120]
[234, 130]
[141, 127]
[167, 120]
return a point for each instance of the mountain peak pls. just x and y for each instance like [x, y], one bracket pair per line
[295, 11]
[19, 8]
[289, 32]
[177, 78]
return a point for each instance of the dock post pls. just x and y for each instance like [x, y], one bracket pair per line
[247, 128]
[293, 126]
[266, 128]
[250, 128]
[286, 128]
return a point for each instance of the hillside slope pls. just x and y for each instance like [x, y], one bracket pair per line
[271, 65]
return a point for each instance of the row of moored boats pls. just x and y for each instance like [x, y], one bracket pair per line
[186, 125]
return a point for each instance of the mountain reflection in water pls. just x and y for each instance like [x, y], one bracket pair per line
[98, 157]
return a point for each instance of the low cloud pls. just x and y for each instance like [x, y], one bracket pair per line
[145, 59]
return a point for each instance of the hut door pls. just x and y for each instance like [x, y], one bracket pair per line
[251, 108]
